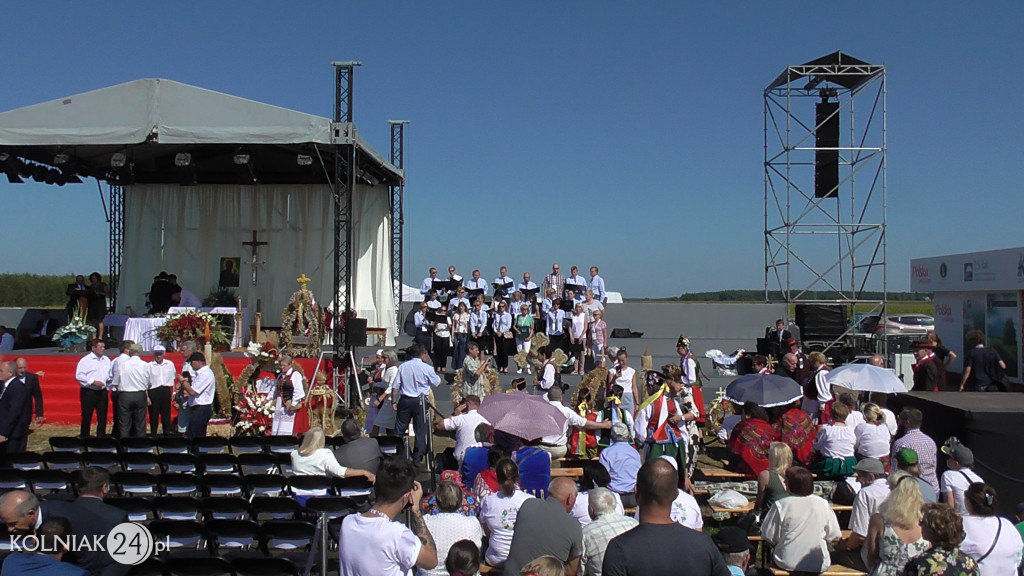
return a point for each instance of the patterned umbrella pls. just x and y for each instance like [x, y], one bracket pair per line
[765, 390]
[524, 415]
[866, 378]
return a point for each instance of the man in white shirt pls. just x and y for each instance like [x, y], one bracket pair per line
[874, 490]
[597, 285]
[428, 283]
[958, 478]
[114, 381]
[133, 386]
[502, 280]
[476, 283]
[463, 422]
[180, 399]
[556, 445]
[526, 284]
[92, 373]
[162, 377]
[371, 543]
[414, 380]
[200, 396]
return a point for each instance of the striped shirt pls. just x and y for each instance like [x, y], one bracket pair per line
[927, 453]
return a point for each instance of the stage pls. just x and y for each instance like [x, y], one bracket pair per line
[61, 391]
[991, 424]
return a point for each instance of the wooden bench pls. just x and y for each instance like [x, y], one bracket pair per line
[750, 507]
[566, 472]
[757, 537]
[714, 472]
[834, 570]
[485, 569]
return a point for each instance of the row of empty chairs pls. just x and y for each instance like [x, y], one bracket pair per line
[216, 566]
[209, 444]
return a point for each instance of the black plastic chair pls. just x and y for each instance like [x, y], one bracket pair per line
[24, 461]
[51, 481]
[290, 539]
[265, 508]
[136, 445]
[210, 445]
[390, 445]
[141, 462]
[138, 509]
[284, 462]
[355, 487]
[172, 445]
[281, 444]
[107, 460]
[13, 479]
[266, 484]
[135, 483]
[66, 444]
[179, 462]
[257, 463]
[234, 534]
[101, 444]
[315, 485]
[248, 445]
[178, 508]
[222, 485]
[226, 508]
[181, 534]
[151, 567]
[177, 484]
[211, 463]
[62, 460]
[335, 507]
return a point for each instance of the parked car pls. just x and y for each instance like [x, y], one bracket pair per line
[897, 324]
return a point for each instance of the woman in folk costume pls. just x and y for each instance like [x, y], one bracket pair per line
[288, 396]
[583, 443]
[662, 422]
[690, 377]
[611, 409]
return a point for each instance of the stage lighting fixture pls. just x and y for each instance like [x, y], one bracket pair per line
[182, 159]
[186, 169]
[304, 160]
[118, 160]
[62, 159]
[9, 164]
[241, 159]
[246, 170]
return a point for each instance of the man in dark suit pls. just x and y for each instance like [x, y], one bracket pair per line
[357, 452]
[42, 335]
[90, 518]
[15, 402]
[777, 339]
[75, 292]
[32, 381]
[160, 294]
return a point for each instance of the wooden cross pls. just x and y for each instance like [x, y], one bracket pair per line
[255, 245]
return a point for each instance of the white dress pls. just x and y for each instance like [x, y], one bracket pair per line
[284, 420]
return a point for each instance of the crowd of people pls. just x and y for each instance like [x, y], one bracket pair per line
[502, 318]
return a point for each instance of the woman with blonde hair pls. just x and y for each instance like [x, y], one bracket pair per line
[872, 435]
[544, 566]
[894, 533]
[311, 458]
[771, 483]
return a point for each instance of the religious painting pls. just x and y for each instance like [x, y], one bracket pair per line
[229, 268]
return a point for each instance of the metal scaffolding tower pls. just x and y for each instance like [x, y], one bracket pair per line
[825, 187]
[345, 170]
[397, 215]
[115, 218]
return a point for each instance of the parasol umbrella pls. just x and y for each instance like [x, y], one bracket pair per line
[529, 417]
[766, 390]
[866, 378]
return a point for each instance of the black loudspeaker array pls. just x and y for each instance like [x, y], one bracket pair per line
[826, 162]
[821, 321]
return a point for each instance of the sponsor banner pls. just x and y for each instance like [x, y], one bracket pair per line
[994, 270]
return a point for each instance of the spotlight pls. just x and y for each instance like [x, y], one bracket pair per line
[186, 169]
[118, 160]
[304, 160]
[62, 159]
[241, 159]
[182, 159]
[246, 170]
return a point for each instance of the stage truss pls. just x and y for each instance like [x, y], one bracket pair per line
[397, 215]
[822, 250]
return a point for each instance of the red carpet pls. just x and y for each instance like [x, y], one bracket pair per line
[60, 390]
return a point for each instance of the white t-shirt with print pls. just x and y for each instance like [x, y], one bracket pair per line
[498, 516]
[372, 546]
[981, 533]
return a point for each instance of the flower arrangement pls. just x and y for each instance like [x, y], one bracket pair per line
[77, 331]
[253, 413]
[192, 325]
[263, 353]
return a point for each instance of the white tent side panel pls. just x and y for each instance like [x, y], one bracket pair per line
[187, 230]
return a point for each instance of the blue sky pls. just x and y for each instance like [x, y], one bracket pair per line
[627, 135]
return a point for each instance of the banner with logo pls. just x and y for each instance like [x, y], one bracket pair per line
[991, 271]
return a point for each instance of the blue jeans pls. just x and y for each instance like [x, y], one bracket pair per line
[409, 409]
[459, 352]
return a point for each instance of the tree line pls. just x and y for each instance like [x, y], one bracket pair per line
[776, 296]
[34, 290]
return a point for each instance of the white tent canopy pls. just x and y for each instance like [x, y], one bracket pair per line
[187, 229]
